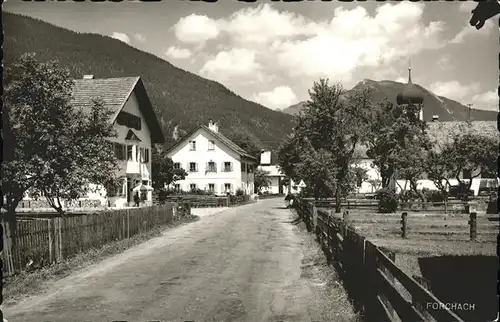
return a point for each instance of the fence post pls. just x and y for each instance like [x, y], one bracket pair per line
[49, 223]
[473, 226]
[346, 216]
[404, 225]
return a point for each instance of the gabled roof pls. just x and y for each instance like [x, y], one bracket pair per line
[441, 133]
[224, 140]
[115, 92]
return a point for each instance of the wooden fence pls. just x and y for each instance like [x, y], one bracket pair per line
[203, 201]
[429, 206]
[376, 285]
[43, 241]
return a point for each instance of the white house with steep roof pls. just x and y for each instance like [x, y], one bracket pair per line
[213, 162]
[138, 131]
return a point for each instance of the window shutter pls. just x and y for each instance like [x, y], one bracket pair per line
[196, 166]
[206, 167]
[222, 188]
[230, 166]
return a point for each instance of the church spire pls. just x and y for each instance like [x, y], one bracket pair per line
[409, 72]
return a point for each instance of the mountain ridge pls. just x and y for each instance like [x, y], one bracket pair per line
[182, 100]
[446, 109]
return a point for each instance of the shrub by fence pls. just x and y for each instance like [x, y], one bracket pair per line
[48, 240]
[377, 286]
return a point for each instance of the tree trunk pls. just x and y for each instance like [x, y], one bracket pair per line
[338, 201]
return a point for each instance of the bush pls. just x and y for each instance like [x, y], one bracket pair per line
[387, 201]
[239, 192]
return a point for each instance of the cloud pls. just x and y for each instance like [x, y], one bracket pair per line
[401, 80]
[289, 44]
[178, 53]
[196, 29]
[467, 6]
[121, 36]
[139, 37]
[487, 100]
[468, 31]
[444, 62]
[235, 63]
[454, 90]
[280, 97]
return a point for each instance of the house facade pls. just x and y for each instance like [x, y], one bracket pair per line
[213, 162]
[275, 177]
[138, 130]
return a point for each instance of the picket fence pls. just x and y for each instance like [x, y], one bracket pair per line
[43, 241]
[377, 286]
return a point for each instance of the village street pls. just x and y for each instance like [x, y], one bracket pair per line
[247, 263]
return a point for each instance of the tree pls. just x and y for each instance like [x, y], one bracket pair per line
[437, 168]
[163, 171]
[471, 153]
[79, 156]
[398, 142]
[261, 179]
[325, 136]
[359, 174]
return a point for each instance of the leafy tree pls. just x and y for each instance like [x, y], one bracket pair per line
[261, 179]
[324, 139]
[471, 153]
[437, 169]
[163, 172]
[359, 174]
[398, 142]
[79, 157]
[60, 155]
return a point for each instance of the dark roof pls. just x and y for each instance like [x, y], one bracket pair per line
[411, 94]
[442, 132]
[230, 144]
[115, 92]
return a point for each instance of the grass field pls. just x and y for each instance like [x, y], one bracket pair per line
[438, 248]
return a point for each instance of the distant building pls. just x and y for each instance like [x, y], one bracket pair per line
[268, 163]
[138, 130]
[213, 162]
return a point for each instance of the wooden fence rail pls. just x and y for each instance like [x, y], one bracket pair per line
[376, 285]
[43, 241]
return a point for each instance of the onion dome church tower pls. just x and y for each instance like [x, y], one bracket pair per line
[411, 95]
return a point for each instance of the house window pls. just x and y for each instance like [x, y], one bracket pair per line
[146, 155]
[145, 182]
[359, 182]
[177, 187]
[211, 187]
[193, 167]
[243, 168]
[177, 165]
[227, 187]
[211, 167]
[211, 145]
[129, 120]
[192, 145]
[192, 186]
[466, 174]
[129, 152]
[228, 167]
[138, 154]
[120, 151]
[250, 168]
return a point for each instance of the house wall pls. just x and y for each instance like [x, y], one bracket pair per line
[202, 155]
[274, 178]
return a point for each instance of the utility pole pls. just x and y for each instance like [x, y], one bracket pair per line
[469, 114]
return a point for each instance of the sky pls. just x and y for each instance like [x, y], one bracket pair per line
[273, 52]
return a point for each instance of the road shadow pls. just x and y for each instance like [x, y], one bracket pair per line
[464, 279]
[281, 208]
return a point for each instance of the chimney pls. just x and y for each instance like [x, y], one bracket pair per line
[88, 76]
[265, 157]
[213, 126]
[435, 118]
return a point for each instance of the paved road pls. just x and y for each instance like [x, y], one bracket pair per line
[242, 264]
